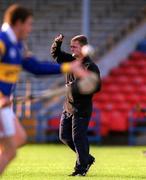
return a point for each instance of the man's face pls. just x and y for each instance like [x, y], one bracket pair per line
[25, 28]
[76, 47]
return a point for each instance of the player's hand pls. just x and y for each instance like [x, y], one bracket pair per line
[28, 54]
[88, 83]
[59, 38]
[5, 101]
[88, 80]
[77, 68]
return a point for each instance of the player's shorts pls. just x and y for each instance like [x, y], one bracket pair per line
[7, 122]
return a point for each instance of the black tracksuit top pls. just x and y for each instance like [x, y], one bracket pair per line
[75, 102]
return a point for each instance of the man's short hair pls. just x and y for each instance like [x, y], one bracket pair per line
[81, 39]
[16, 13]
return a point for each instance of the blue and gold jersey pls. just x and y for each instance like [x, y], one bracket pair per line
[12, 61]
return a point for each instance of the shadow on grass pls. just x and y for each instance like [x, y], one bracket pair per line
[117, 176]
[64, 175]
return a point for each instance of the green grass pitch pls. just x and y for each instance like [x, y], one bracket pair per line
[55, 162]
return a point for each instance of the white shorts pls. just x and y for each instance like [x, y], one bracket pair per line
[7, 122]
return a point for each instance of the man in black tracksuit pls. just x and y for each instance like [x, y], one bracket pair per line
[77, 107]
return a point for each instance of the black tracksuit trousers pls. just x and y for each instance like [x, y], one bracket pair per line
[73, 132]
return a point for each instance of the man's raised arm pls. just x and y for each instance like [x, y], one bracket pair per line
[57, 54]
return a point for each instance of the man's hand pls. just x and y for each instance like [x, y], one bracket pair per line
[56, 46]
[59, 38]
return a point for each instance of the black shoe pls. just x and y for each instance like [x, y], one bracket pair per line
[78, 173]
[91, 161]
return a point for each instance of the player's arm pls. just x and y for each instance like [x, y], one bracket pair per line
[88, 80]
[32, 65]
[5, 102]
[57, 54]
[2, 48]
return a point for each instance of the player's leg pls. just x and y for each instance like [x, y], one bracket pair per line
[8, 152]
[7, 131]
[20, 136]
[65, 130]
